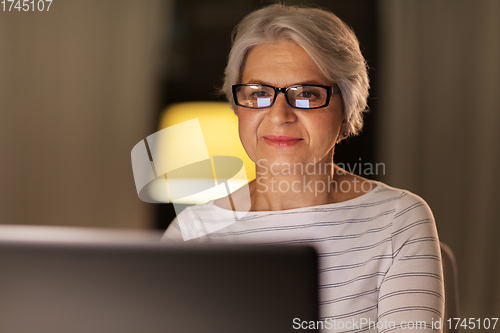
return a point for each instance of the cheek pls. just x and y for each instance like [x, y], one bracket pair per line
[324, 129]
[244, 124]
[247, 128]
[329, 124]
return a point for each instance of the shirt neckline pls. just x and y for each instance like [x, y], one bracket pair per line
[349, 202]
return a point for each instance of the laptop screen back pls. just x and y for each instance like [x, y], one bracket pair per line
[109, 283]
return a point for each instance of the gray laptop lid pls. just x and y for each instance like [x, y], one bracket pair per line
[71, 280]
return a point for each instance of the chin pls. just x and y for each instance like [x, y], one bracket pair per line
[279, 163]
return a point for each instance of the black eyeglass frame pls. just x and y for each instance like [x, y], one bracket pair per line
[330, 90]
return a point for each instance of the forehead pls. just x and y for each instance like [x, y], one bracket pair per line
[281, 64]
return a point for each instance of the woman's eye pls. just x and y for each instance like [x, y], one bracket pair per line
[307, 94]
[259, 94]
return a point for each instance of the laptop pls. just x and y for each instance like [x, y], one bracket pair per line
[72, 280]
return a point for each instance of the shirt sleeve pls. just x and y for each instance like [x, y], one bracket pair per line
[411, 295]
[173, 233]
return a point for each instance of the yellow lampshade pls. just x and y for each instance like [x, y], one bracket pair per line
[219, 128]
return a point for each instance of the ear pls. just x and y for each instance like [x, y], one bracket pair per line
[343, 132]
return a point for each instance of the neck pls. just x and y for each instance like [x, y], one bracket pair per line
[294, 186]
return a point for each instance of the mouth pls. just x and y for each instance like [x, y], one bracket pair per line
[281, 141]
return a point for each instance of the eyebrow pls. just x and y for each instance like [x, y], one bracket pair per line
[295, 84]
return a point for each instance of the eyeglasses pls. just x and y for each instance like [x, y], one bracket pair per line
[260, 96]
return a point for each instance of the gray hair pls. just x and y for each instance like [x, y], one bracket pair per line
[331, 44]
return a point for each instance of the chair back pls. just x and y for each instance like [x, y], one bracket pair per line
[450, 275]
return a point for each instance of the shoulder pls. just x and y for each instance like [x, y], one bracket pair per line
[176, 231]
[197, 221]
[408, 204]
[410, 214]
[402, 201]
[413, 223]
[173, 232]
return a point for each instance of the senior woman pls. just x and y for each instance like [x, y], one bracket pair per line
[298, 83]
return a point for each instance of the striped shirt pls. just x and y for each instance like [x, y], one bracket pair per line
[379, 256]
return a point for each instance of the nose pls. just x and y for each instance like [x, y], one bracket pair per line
[281, 112]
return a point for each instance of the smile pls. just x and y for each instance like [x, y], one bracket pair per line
[281, 141]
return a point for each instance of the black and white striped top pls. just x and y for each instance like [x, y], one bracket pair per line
[380, 260]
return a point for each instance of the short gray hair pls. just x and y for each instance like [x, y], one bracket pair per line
[331, 44]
